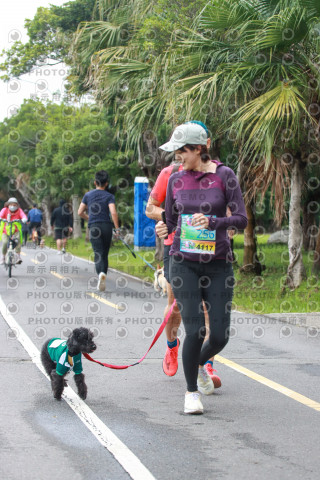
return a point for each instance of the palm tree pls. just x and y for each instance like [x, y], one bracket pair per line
[248, 68]
[121, 70]
[107, 59]
[261, 58]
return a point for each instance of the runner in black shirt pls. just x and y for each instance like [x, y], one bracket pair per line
[62, 220]
[96, 207]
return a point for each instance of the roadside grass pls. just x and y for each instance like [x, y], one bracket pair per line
[254, 294]
[265, 294]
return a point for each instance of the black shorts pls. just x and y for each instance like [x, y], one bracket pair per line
[60, 233]
[166, 262]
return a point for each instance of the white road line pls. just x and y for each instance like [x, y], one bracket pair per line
[129, 462]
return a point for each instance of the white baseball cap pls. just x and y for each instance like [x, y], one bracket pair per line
[12, 200]
[187, 133]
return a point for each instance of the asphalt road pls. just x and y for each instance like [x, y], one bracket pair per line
[251, 429]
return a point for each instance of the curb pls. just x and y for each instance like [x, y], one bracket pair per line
[311, 319]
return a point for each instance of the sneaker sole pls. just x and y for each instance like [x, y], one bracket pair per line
[205, 392]
[169, 374]
[173, 374]
[102, 283]
[216, 379]
[193, 412]
[216, 382]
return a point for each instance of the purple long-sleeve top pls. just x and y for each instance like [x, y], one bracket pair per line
[209, 193]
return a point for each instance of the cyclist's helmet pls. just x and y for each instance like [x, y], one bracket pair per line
[11, 201]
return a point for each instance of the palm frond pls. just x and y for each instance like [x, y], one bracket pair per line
[268, 8]
[93, 36]
[143, 115]
[286, 28]
[275, 175]
[225, 15]
[311, 6]
[259, 123]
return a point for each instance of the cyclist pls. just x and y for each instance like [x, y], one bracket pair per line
[10, 213]
[35, 219]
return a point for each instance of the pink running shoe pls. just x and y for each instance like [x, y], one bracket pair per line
[170, 361]
[216, 380]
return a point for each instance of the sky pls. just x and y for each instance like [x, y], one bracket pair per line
[45, 81]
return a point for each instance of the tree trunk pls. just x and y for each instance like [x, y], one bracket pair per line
[316, 258]
[76, 219]
[308, 228]
[251, 263]
[25, 194]
[150, 158]
[296, 271]
[46, 216]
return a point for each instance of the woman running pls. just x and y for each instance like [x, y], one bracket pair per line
[201, 264]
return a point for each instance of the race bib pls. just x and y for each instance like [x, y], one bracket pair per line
[193, 240]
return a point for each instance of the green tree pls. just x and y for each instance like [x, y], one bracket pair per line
[256, 65]
[53, 151]
[50, 34]
[123, 55]
[249, 69]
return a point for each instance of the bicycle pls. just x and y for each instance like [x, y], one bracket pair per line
[11, 258]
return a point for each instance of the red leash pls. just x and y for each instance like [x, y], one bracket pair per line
[157, 335]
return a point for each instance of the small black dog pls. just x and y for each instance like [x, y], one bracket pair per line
[59, 356]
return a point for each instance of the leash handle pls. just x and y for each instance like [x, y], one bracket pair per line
[163, 217]
[157, 335]
[126, 245]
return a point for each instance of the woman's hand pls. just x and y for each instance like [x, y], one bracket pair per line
[199, 221]
[161, 229]
[230, 232]
[116, 233]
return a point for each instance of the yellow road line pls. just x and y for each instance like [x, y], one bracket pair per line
[103, 300]
[91, 294]
[24, 254]
[57, 275]
[269, 383]
[52, 273]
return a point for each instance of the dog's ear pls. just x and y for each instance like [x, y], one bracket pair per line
[158, 266]
[90, 335]
[75, 334]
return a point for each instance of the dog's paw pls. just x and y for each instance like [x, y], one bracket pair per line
[81, 386]
[83, 395]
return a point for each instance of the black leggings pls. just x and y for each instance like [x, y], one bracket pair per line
[191, 283]
[100, 235]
